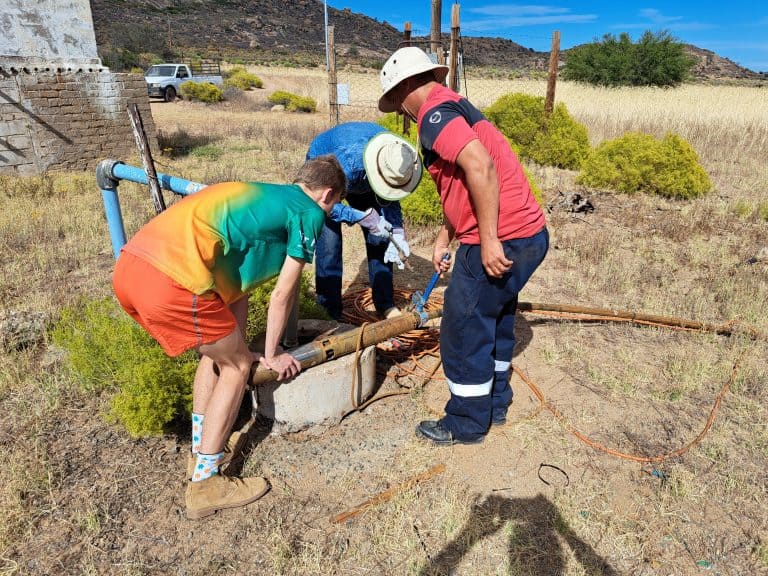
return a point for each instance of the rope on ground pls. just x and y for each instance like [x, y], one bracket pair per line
[423, 342]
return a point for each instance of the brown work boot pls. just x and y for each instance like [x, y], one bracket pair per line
[233, 447]
[219, 492]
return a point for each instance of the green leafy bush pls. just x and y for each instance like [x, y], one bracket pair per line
[201, 91]
[639, 162]
[259, 304]
[107, 350]
[555, 141]
[292, 102]
[655, 60]
[422, 206]
[241, 79]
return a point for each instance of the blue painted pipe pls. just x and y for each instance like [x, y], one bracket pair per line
[176, 185]
[114, 220]
[108, 176]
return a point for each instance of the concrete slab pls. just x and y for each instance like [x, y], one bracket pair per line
[320, 395]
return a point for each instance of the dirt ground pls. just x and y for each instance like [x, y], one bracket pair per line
[118, 506]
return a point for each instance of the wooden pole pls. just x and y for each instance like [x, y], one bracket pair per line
[434, 43]
[146, 158]
[453, 73]
[333, 102]
[554, 58]
[406, 42]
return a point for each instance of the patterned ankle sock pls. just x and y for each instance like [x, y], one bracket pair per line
[206, 466]
[197, 431]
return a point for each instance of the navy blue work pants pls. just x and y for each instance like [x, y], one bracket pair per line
[329, 268]
[477, 333]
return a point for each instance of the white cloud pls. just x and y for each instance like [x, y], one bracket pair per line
[500, 16]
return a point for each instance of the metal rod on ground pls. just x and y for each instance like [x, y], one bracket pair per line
[335, 346]
[727, 328]
[388, 494]
[146, 158]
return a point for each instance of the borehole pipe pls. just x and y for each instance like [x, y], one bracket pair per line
[109, 173]
[335, 346]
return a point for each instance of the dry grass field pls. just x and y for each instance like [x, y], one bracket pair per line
[79, 496]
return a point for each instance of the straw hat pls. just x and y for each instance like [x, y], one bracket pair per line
[405, 63]
[392, 166]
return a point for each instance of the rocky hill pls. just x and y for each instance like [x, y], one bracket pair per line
[292, 32]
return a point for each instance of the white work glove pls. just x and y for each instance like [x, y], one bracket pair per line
[376, 225]
[392, 254]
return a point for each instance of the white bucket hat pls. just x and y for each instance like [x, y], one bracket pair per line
[405, 63]
[392, 166]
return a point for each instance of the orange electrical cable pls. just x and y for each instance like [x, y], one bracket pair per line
[426, 342]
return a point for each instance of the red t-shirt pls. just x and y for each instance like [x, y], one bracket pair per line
[447, 122]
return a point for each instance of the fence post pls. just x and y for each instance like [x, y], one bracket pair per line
[453, 73]
[146, 158]
[406, 42]
[554, 58]
[333, 102]
[434, 43]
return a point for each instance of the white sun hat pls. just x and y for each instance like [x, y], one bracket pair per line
[392, 166]
[405, 63]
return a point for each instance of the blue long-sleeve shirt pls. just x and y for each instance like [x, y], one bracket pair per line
[347, 142]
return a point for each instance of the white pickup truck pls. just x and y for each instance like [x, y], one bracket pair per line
[164, 80]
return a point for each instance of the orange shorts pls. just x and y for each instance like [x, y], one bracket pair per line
[178, 319]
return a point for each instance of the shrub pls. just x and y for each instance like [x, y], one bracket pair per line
[422, 206]
[656, 60]
[107, 350]
[259, 303]
[638, 162]
[201, 91]
[240, 78]
[292, 102]
[558, 141]
[302, 104]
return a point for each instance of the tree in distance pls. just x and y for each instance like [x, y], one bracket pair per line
[657, 59]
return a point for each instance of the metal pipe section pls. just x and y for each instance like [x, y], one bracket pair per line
[176, 185]
[108, 176]
[335, 346]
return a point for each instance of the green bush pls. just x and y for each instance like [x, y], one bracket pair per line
[108, 351]
[558, 141]
[241, 79]
[201, 91]
[292, 102]
[422, 206]
[655, 60]
[639, 162]
[259, 303]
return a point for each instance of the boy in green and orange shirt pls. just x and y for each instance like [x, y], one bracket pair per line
[185, 278]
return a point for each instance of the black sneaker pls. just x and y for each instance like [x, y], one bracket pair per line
[435, 431]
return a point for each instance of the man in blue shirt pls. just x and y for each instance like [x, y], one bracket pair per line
[381, 169]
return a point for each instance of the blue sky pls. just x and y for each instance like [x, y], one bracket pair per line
[737, 29]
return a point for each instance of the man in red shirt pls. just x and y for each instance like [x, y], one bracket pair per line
[489, 208]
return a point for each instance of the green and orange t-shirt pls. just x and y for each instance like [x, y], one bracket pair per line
[228, 238]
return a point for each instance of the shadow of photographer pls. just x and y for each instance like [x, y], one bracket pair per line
[536, 535]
